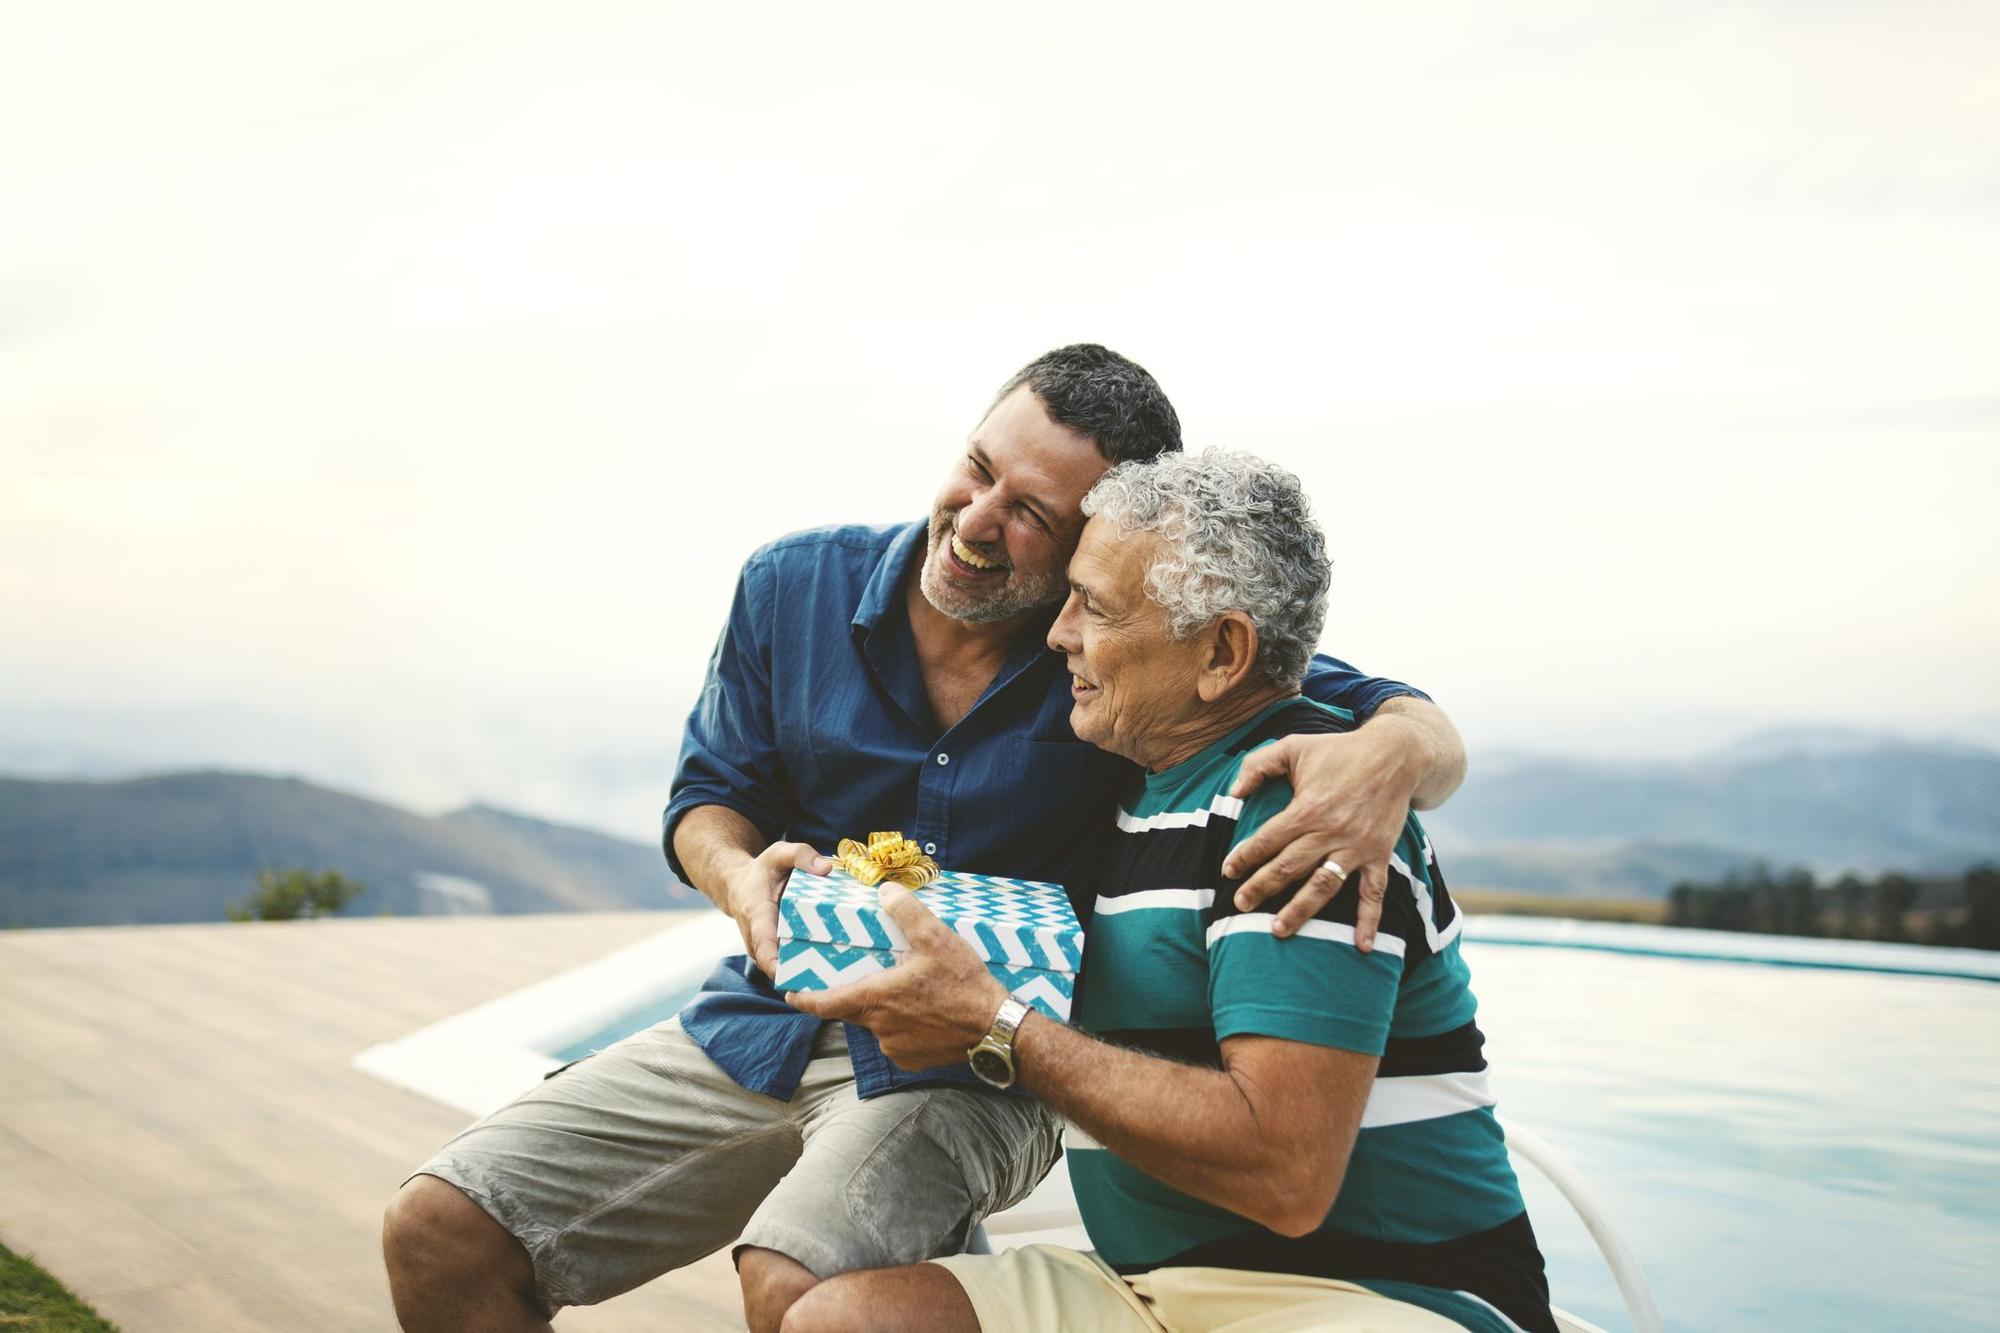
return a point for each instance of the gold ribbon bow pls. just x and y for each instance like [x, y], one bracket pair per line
[889, 856]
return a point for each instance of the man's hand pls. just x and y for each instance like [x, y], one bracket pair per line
[1351, 794]
[929, 1009]
[751, 896]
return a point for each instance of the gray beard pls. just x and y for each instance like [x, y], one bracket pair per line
[1011, 598]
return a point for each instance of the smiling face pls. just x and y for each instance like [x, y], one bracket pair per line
[1006, 519]
[1136, 691]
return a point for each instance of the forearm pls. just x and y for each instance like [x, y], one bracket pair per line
[1437, 753]
[713, 842]
[1194, 1129]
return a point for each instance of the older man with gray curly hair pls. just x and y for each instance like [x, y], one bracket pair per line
[1264, 1131]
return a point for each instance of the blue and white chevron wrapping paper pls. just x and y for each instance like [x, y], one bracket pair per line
[832, 930]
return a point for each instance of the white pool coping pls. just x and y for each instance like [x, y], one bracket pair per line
[480, 1060]
[1733, 946]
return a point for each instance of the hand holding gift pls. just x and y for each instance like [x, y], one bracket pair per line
[930, 1008]
[834, 929]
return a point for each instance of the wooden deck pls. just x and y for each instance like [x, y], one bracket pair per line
[183, 1142]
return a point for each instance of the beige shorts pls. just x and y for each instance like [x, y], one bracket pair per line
[1042, 1287]
[647, 1156]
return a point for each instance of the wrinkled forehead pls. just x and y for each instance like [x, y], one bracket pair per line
[1112, 560]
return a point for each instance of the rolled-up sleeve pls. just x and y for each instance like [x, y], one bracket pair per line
[729, 751]
[1332, 681]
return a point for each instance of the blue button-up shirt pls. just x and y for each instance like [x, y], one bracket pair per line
[815, 726]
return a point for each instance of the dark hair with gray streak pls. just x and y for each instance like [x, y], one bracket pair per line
[1096, 392]
[1236, 534]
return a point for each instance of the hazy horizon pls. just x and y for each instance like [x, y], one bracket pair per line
[399, 387]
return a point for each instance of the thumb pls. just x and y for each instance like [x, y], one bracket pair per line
[920, 924]
[806, 859]
[1259, 765]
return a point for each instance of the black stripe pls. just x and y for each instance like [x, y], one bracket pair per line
[1459, 1051]
[1502, 1266]
[1301, 717]
[1177, 858]
[1446, 909]
[1187, 1046]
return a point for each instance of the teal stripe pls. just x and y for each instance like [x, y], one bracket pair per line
[1144, 969]
[1134, 1219]
[1436, 997]
[1428, 1181]
[1324, 992]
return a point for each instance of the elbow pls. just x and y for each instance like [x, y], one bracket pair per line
[1295, 1202]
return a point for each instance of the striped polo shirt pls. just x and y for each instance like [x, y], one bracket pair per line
[1429, 1210]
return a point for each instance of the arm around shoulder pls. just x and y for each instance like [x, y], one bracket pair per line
[1441, 748]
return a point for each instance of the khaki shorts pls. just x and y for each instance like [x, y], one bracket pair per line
[1042, 1287]
[647, 1156]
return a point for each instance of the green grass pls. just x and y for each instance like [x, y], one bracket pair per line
[1506, 902]
[31, 1299]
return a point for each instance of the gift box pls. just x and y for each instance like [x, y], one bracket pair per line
[832, 930]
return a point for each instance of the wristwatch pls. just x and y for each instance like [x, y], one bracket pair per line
[993, 1058]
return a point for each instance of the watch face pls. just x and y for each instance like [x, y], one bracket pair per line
[993, 1067]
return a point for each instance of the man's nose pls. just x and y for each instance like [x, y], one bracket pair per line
[980, 521]
[1062, 636]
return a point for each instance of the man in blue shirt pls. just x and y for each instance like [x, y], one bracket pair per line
[869, 678]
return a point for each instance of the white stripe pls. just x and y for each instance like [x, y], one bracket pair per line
[1427, 908]
[1496, 1312]
[1260, 923]
[811, 962]
[1229, 807]
[1194, 900]
[1399, 1101]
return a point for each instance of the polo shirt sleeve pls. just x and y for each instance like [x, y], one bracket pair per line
[1313, 986]
[1332, 681]
[729, 750]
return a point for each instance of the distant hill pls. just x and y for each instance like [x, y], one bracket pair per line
[175, 847]
[1831, 800]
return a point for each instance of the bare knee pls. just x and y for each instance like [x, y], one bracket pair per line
[825, 1308]
[443, 1252]
[772, 1283]
[920, 1298]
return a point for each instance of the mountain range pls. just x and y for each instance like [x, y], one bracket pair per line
[1832, 800]
[176, 847]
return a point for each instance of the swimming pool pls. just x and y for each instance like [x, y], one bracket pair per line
[1802, 1146]
[1785, 1147]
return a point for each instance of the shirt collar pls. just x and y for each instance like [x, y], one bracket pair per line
[885, 585]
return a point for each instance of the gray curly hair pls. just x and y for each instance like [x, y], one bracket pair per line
[1237, 534]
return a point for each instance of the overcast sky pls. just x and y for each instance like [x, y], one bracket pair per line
[392, 389]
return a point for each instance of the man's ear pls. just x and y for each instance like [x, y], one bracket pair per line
[1230, 652]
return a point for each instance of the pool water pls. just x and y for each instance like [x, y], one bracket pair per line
[654, 1011]
[1785, 1148]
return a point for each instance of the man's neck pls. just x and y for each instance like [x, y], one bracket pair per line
[1211, 724]
[943, 637]
[959, 660]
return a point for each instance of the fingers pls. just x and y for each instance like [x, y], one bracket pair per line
[1269, 762]
[1368, 915]
[760, 932]
[1288, 867]
[1314, 894]
[847, 1001]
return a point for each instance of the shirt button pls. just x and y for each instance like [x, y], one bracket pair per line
[943, 759]
[930, 849]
